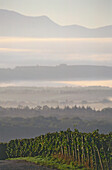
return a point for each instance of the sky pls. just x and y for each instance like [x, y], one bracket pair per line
[89, 13]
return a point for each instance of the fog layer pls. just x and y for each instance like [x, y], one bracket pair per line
[32, 51]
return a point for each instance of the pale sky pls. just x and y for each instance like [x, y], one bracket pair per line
[89, 13]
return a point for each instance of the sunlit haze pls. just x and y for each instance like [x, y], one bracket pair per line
[33, 51]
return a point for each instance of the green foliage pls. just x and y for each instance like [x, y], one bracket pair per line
[3, 148]
[55, 163]
[90, 150]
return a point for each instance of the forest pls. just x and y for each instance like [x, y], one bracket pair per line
[28, 122]
[89, 150]
[86, 113]
[37, 132]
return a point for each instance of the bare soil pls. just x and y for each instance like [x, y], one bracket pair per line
[20, 165]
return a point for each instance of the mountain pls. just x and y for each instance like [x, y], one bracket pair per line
[15, 24]
[60, 72]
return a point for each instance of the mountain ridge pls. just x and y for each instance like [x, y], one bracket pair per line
[43, 26]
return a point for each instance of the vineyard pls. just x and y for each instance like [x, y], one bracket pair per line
[92, 150]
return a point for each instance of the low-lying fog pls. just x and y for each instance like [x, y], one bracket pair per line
[103, 83]
[95, 97]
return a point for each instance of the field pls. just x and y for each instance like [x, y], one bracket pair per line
[75, 149]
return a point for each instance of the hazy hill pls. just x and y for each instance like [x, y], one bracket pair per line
[60, 72]
[15, 24]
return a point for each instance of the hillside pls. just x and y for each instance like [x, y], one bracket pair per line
[92, 150]
[15, 128]
[43, 27]
[60, 72]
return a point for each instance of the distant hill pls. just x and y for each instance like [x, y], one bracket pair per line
[15, 24]
[60, 72]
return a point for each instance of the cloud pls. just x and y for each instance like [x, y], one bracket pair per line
[14, 50]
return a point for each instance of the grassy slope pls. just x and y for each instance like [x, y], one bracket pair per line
[52, 162]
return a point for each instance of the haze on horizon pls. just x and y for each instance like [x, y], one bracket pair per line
[22, 52]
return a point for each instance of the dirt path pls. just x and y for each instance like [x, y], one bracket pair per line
[20, 165]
